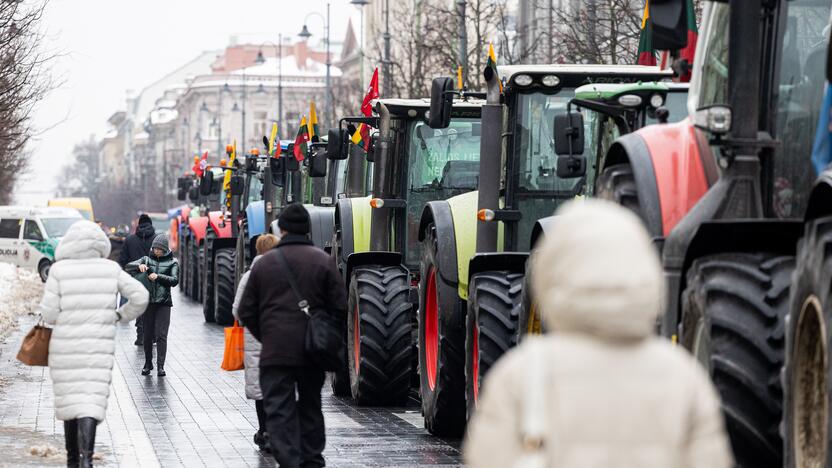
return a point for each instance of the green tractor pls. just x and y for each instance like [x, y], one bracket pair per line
[472, 272]
[377, 244]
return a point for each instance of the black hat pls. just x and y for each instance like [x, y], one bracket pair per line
[144, 219]
[294, 219]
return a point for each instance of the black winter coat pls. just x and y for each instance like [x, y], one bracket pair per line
[137, 245]
[167, 269]
[269, 308]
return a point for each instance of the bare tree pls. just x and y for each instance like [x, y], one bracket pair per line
[597, 31]
[81, 176]
[23, 82]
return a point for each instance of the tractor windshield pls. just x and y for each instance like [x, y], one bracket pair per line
[799, 98]
[538, 190]
[441, 163]
[255, 189]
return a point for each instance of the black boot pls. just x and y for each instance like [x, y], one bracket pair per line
[147, 368]
[86, 440]
[71, 438]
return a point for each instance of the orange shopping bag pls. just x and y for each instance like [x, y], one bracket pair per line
[232, 358]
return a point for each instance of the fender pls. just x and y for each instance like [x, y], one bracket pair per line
[343, 221]
[321, 225]
[439, 213]
[514, 262]
[673, 169]
[173, 235]
[221, 228]
[256, 218]
[541, 228]
[184, 214]
[359, 259]
[198, 227]
[820, 199]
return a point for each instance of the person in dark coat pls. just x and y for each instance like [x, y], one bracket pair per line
[159, 272]
[290, 383]
[136, 246]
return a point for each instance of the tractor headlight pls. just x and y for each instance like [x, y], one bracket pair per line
[630, 100]
[522, 80]
[656, 100]
[550, 81]
[715, 119]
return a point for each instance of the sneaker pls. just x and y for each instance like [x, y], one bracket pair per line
[147, 368]
[161, 373]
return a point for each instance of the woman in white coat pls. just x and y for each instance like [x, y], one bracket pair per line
[251, 358]
[79, 301]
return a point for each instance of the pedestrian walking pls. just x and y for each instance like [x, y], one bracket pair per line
[79, 301]
[159, 272]
[290, 383]
[251, 359]
[136, 246]
[599, 389]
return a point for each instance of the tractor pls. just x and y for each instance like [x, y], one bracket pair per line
[376, 244]
[743, 220]
[520, 179]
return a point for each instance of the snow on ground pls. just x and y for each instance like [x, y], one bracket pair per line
[20, 293]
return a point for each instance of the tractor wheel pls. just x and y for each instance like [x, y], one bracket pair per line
[207, 273]
[491, 326]
[223, 296]
[183, 254]
[733, 312]
[530, 319]
[378, 335]
[193, 282]
[241, 257]
[618, 184]
[441, 347]
[43, 269]
[806, 373]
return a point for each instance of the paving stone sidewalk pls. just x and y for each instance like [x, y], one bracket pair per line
[196, 416]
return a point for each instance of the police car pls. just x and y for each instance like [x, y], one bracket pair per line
[29, 236]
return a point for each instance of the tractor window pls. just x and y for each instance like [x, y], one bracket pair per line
[713, 77]
[442, 163]
[255, 189]
[799, 98]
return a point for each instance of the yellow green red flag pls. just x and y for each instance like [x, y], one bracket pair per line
[492, 64]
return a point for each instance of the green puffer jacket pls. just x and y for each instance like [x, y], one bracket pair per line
[166, 267]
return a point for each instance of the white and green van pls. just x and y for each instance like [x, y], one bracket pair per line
[28, 236]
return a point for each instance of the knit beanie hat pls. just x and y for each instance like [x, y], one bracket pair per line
[294, 219]
[145, 219]
[160, 242]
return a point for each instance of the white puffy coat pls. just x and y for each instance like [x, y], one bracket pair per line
[251, 357]
[613, 394]
[79, 300]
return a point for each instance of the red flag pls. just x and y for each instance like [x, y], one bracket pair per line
[199, 166]
[693, 33]
[372, 93]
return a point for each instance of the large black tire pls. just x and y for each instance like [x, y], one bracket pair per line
[806, 376]
[441, 346]
[207, 273]
[182, 258]
[733, 313]
[242, 258]
[491, 326]
[194, 270]
[378, 335]
[224, 285]
[618, 184]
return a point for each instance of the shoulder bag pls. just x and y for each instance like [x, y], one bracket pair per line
[324, 343]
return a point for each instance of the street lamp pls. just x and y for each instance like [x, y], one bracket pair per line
[305, 34]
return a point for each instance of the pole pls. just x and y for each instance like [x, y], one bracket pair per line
[244, 109]
[388, 80]
[361, 52]
[219, 121]
[463, 42]
[328, 65]
[279, 83]
[551, 41]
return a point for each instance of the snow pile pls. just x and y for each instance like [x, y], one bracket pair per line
[43, 451]
[20, 293]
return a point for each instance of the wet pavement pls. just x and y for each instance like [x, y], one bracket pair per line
[196, 416]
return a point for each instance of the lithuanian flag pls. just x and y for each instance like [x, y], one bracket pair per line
[693, 33]
[300, 140]
[646, 54]
[361, 136]
[313, 123]
[492, 64]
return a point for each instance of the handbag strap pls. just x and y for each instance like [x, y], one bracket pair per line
[302, 304]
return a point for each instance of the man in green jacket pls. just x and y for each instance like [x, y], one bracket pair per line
[158, 273]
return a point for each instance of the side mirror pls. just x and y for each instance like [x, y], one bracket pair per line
[278, 169]
[569, 134]
[371, 151]
[291, 163]
[205, 184]
[570, 167]
[441, 99]
[182, 185]
[317, 165]
[669, 18]
[193, 194]
[335, 145]
[237, 185]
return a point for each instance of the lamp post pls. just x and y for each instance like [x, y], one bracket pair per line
[361, 4]
[305, 34]
[463, 42]
[388, 79]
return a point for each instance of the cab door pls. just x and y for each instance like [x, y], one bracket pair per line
[10, 248]
[33, 245]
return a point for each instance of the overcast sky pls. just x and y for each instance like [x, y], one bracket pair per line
[110, 46]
